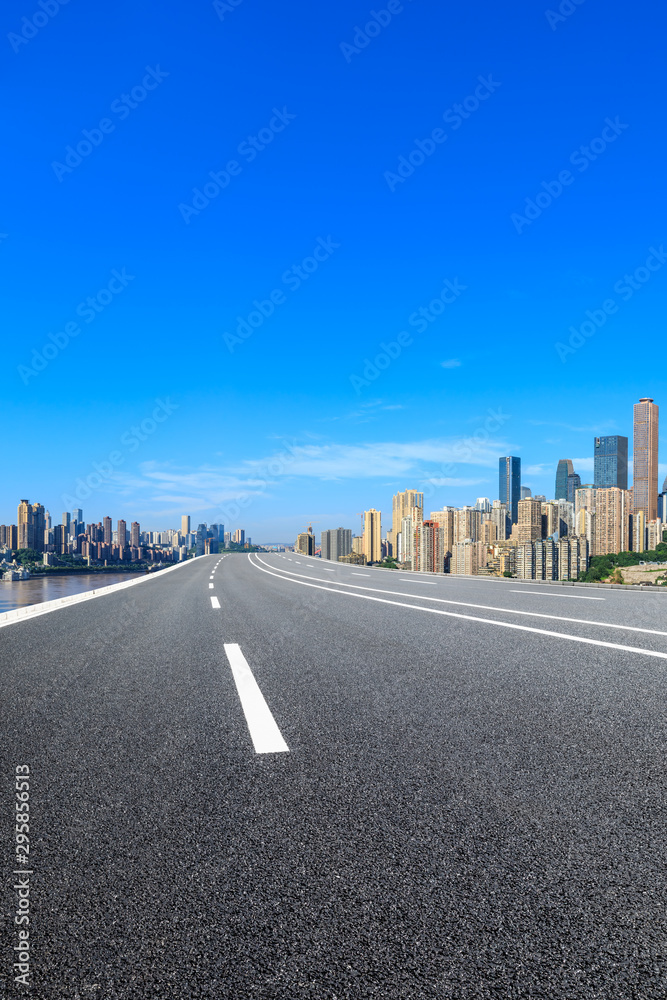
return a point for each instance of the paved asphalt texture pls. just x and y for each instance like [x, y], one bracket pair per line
[466, 810]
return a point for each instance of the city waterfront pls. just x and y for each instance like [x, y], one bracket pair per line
[36, 590]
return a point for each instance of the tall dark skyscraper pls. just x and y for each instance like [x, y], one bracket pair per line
[610, 456]
[509, 484]
[573, 484]
[565, 469]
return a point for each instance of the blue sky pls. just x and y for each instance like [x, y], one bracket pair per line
[516, 220]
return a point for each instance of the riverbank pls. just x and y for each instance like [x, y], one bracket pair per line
[48, 587]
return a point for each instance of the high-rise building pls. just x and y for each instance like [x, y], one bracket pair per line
[406, 542]
[613, 508]
[445, 518]
[200, 540]
[373, 535]
[305, 542]
[550, 518]
[565, 518]
[500, 518]
[639, 531]
[483, 504]
[335, 543]
[653, 535]
[66, 521]
[467, 557]
[429, 548]
[509, 484]
[467, 524]
[122, 534]
[526, 492]
[584, 499]
[610, 460]
[239, 536]
[60, 538]
[39, 525]
[77, 515]
[108, 531]
[185, 524]
[645, 458]
[565, 469]
[573, 484]
[530, 520]
[662, 505]
[26, 530]
[402, 505]
[135, 532]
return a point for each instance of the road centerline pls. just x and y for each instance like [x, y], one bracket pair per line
[264, 731]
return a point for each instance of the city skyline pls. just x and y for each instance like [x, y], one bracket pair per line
[308, 252]
[440, 490]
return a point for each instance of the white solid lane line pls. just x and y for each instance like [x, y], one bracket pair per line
[360, 574]
[407, 579]
[210, 586]
[473, 618]
[484, 607]
[542, 593]
[215, 603]
[264, 732]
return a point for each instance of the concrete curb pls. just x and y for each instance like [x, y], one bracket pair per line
[34, 610]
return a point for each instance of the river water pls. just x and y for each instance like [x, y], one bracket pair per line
[18, 593]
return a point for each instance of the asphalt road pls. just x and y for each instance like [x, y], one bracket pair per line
[339, 783]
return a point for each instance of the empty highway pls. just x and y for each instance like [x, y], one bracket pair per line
[270, 776]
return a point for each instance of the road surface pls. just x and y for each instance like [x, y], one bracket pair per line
[271, 776]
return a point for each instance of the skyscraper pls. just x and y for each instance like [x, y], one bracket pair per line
[402, 505]
[108, 531]
[530, 520]
[373, 535]
[26, 528]
[122, 534]
[185, 524]
[429, 548]
[610, 458]
[612, 520]
[565, 469]
[509, 484]
[573, 484]
[336, 542]
[135, 531]
[39, 523]
[645, 458]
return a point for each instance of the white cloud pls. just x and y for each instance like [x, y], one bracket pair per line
[386, 459]
[542, 469]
